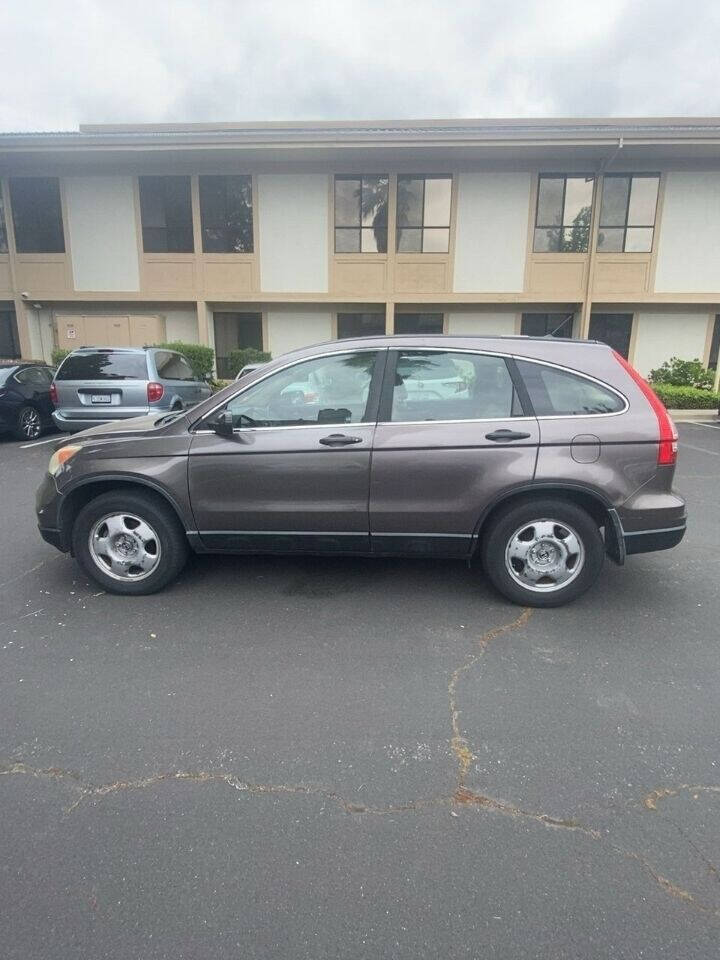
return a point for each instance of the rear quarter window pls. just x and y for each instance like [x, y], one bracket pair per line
[103, 365]
[559, 393]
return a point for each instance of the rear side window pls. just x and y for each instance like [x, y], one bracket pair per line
[103, 365]
[434, 385]
[560, 393]
[38, 376]
[171, 366]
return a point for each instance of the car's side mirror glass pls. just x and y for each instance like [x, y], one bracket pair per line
[222, 424]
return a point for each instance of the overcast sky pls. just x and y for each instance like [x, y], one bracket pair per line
[66, 63]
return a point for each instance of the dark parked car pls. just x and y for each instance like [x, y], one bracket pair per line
[535, 457]
[25, 404]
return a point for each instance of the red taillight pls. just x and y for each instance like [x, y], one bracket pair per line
[154, 391]
[53, 394]
[667, 440]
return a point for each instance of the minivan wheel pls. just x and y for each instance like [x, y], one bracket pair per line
[542, 553]
[29, 423]
[130, 543]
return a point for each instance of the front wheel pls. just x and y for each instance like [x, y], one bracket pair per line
[130, 543]
[543, 553]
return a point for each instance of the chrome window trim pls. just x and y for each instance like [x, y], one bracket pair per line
[392, 423]
[285, 366]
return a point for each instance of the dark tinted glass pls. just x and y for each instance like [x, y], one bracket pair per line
[613, 329]
[166, 214]
[715, 344]
[226, 214]
[547, 325]
[103, 365]
[37, 376]
[37, 214]
[436, 385]
[360, 325]
[556, 392]
[429, 323]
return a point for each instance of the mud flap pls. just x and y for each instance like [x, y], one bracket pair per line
[614, 538]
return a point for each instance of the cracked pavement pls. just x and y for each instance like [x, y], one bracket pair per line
[349, 758]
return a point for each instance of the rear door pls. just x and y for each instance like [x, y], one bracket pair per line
[295, 473]
[452, 435]
[102, 384]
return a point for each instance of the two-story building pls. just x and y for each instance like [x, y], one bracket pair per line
[276, 235]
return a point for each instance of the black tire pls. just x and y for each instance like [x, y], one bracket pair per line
[29, 424]
[503, 526]
[153, 510]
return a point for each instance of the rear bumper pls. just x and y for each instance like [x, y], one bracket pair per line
[75, 424]
[646, 541]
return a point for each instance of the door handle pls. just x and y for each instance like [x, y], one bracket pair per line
[504, 436]
[339, 440]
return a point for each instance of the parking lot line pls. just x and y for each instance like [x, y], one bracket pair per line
[38, 443]
[702, 423]
[689, 446]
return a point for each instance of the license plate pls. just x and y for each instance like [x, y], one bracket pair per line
[100, 398]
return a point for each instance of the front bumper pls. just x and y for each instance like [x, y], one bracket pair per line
[47, 508]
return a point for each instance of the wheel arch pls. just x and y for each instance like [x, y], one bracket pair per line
[93, 487]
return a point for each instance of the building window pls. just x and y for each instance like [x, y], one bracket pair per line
[360, 325]
[3, 228]
[226, 214]
[614, 329]
[627, 213]
[9, 343]
[361, 214]
[547, 324]
[562, 218]
[235, 331]
[429, 323]
[37, 214]
[166, 214]
[715, 344]
[423, 214]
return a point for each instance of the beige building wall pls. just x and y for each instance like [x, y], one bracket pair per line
[688, 259]
[481, 323]
[661, 335]
[491, 233]
[182, 325]
[290, 328]
[293, 229]
[102, 231]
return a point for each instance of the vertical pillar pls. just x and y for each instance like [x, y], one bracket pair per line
[23, 317]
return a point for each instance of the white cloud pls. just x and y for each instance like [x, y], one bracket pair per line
[144, 60]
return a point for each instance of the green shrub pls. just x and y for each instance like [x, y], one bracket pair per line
[58, 355]
[218, 384]
[683, 373]
[240, 358]
[200, 357]
[686, 398]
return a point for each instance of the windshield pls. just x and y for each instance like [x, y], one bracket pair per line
[103, 365]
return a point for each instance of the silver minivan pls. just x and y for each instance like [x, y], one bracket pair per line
[97, 385]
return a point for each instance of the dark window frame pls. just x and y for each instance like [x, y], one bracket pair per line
[562, 226]
[342, 314]
[23, 225]
[633, 226]
[568, 317]
[222, 225]
[359, 177]
[421, 226]
[601, 315]
[419, 313]
[187, 227]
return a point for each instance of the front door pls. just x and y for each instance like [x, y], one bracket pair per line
[295, 474]
[451, 436]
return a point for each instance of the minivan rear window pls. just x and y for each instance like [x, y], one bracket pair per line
[559, 393]
[103, 365]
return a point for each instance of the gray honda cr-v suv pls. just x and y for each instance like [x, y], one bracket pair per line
[537, 457]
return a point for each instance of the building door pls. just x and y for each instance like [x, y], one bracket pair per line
[614, 329]
[9, 345]
[235, 331]
[294, 475]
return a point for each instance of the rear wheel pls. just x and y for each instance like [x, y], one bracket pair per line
[29, 424]
[543, 553]
[130, 543]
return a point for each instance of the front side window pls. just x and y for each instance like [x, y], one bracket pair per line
[360, 325]
[559, 393]
[171, 366]
[166, 215]
[547, 324]
[226, 214]
[326, 390]
[627, 214]
[423, 214]
[562, 217]
[439, 385]
[37, 214]
[361, 205]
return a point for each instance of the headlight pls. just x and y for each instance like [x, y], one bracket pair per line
[61, 457]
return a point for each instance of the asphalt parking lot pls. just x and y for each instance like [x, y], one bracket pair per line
[350, 758]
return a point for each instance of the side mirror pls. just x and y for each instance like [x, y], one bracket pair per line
[223, 424]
